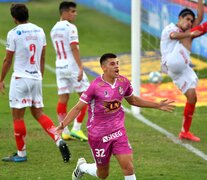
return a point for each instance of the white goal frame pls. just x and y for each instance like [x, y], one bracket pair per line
[135, 49]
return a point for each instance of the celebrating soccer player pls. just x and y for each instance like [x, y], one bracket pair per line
[106, 131]
[176, 40]
[27, 43]
[69, 69]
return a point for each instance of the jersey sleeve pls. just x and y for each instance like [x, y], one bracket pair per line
[129, 90]
[88, 95]
[10, 44]
[73, 35]
[170, 29]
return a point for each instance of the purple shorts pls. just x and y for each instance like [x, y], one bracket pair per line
[103, 147]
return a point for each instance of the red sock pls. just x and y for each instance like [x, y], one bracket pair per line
[81, 115]
[20, 133]
[48, 126]
[61, 111]
[202, 28]
[188, 116]
[61, 108]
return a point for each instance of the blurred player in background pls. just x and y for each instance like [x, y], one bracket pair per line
[69, 69]
[106, 131]
[176, 40]
[27, 43]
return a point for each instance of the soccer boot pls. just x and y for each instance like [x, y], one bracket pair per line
[188, 136]
[67, 136]
[63, 147]
[77, 174]
[14, 158]
[79, 135]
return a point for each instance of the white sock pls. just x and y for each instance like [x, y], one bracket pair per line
[130, 177]
[66, 130]
[22, 153]
[89, 169]
[76, 125]
[58, 142]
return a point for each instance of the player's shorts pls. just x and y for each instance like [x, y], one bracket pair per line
[69, 84]
[186, 80]
[178, 59]
[115, 143]
[25, 92]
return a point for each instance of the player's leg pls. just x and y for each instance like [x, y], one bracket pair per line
[76, 130]
[187, 83]
[20, 135]
[126, 163]
[188, 116]
[64, 90]
[18, 96]
[49, 128]
[46, 123]
[80, 87]
[101, 152]
[178, 60]
[62, 112]
[123, 153]
[202, 28]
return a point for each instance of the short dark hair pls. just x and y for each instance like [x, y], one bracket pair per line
[106, 56]
[19, 12]
[65, 6]
[186, 12]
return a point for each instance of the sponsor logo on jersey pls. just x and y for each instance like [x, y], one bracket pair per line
[19, 33]
[31, 72]
[112, 136]
[112, 106]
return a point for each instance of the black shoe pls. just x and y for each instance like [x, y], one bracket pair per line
[63, 147]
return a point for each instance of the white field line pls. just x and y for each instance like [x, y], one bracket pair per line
[148, 123]
[168, 134]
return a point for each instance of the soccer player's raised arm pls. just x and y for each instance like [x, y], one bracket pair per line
[200, 13]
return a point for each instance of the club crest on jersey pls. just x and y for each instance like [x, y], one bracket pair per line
[121, 90]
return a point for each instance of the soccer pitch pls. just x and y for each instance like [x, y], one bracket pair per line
[155, 155]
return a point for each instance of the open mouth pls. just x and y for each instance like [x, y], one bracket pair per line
[117, 72]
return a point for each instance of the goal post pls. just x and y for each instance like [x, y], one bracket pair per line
[135, 49]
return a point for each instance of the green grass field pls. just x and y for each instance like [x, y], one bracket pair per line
[155, 156]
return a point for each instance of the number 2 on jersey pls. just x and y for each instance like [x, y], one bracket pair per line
[32, 49]
[60, 52]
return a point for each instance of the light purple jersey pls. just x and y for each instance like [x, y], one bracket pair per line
[105, 113]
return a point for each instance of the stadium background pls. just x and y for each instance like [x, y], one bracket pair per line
[156, 157]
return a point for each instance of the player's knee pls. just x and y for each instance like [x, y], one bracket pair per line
[191, 97]
[102, 174]
[128, 168]
[36, 113]
[192, 100]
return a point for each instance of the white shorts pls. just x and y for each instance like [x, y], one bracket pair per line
[69, 84]
[185, 80]
[25, 92]
[178, 60]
